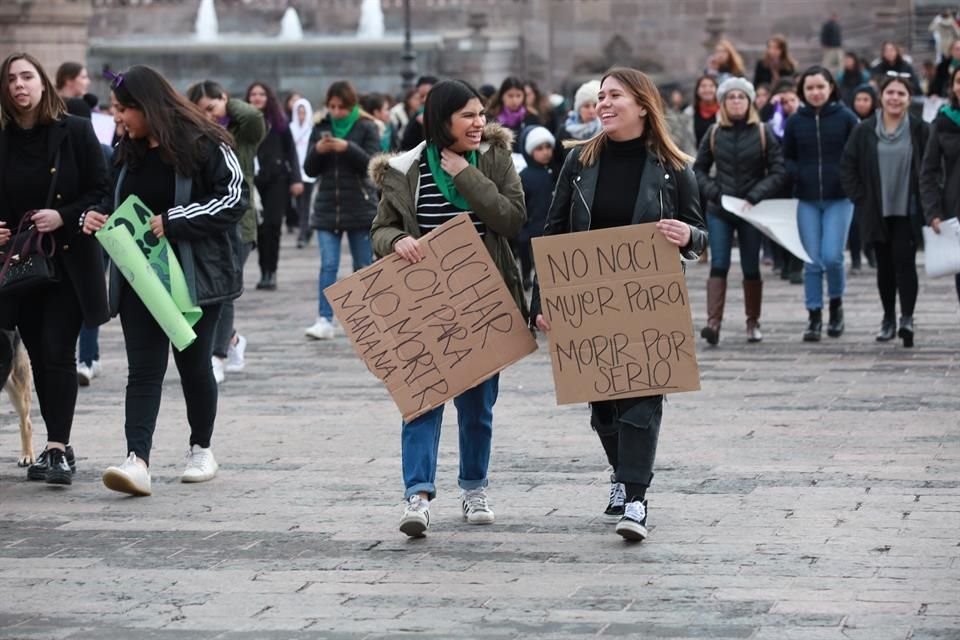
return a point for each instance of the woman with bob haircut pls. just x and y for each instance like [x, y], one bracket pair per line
[184, 169]
[630, 173]
[749, 165]
[813, 142]
[345, 201]
[277, 181]
[53, 170]
[881, 174]
[463, 166]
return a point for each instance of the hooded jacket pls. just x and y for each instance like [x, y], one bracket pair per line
[248, 129]
[492, 189]
[538, 182]
[344, 197]
[940, 171]
[813, 143]
[202, 228]
[860, 175]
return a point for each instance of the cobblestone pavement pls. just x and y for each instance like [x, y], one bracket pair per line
[808, 492]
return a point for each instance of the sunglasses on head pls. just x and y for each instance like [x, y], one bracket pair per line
[116, 79]
[897, 74]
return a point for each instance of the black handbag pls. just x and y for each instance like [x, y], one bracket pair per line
[27, 263]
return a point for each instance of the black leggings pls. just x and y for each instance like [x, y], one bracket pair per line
[897, 267]
[276, 201]
[147, 354]
[49, 321]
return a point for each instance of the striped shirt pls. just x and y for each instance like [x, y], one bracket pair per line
[433, 209]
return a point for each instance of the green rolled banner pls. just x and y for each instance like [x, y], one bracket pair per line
[151, 267]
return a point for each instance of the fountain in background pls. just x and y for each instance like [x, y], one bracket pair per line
[290, 27]
[206, 27]
[371, 20]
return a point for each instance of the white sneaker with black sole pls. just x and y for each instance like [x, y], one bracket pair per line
[416, 516]
[618, 495]
[633, 524]
[473, 502]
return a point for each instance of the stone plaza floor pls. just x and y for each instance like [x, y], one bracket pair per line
[807, 492]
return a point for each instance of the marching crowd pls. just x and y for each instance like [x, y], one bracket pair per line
[223, 175]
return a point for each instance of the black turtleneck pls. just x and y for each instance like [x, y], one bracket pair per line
[26, 176]
[620, 171]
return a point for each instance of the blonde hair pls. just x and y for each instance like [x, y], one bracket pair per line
[724, 120]
[735, 63]
[656, 131]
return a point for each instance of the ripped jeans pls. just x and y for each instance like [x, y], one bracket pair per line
[629, 430]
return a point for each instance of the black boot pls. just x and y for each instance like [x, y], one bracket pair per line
[271, 284]
[835, 326]
[814, 326]
[906, 330]
[888, 329]
[264, 280]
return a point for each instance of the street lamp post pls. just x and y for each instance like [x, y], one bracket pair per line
[409, 55]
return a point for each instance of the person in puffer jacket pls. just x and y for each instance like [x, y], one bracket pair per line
[813, 142]
[345, 199]
[749, 165]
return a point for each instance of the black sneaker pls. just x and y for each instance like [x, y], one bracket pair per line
[618, 495]
[38, 470]
[59, 471]
[633, 524]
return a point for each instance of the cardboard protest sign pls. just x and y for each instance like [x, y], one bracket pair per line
[775, 218]
[149, 264]
[619, 311]
[433, 329]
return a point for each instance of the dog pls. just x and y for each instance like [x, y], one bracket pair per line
[16, 376]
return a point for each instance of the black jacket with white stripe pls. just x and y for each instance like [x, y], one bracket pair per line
[202, 227]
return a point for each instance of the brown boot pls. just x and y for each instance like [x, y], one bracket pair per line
[716, 297]
[752, 298]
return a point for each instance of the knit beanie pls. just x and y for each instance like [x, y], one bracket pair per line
[587, 92]
[536, 137]
[736, 84]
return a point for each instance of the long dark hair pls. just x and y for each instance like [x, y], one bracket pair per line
[445, 99]
[180, 127]
[696, 90]
[51, 105]
[496, 102]
[205, 89]
[272, 111]
[954, 98]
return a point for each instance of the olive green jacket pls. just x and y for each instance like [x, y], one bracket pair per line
[492, 189]
[248, 130]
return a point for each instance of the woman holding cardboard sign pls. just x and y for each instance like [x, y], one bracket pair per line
[53, 169]
[464, 166]
[630, 173]
[183, 168]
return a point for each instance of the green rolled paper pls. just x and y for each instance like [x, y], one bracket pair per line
[152, 269]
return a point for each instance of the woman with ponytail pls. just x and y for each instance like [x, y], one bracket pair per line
[630, 173]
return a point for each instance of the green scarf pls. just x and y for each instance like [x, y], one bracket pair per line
[444, 180]
[342, 126]
[953, 114]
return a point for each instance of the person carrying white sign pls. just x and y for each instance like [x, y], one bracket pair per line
[464, 166]
[880, 173]
[630, 173]
[749, 165]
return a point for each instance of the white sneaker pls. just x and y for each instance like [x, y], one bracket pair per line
[322, 329]
[130, 477]
[95, 368]
[217, 365]
[235, 355]
[416, 516]
[84, 374]
[201, 466]
[475, 507]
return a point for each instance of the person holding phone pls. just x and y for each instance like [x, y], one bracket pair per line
[184, 169]
[464, 166]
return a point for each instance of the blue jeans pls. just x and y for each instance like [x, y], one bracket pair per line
[823, 229]
[89, 345]
[749, 239]
[420, 441]
[360, 248]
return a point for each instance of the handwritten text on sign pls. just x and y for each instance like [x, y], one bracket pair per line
[433, 329]
[619, 309]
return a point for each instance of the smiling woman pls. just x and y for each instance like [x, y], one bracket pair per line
[53, 170]
[464, 166]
